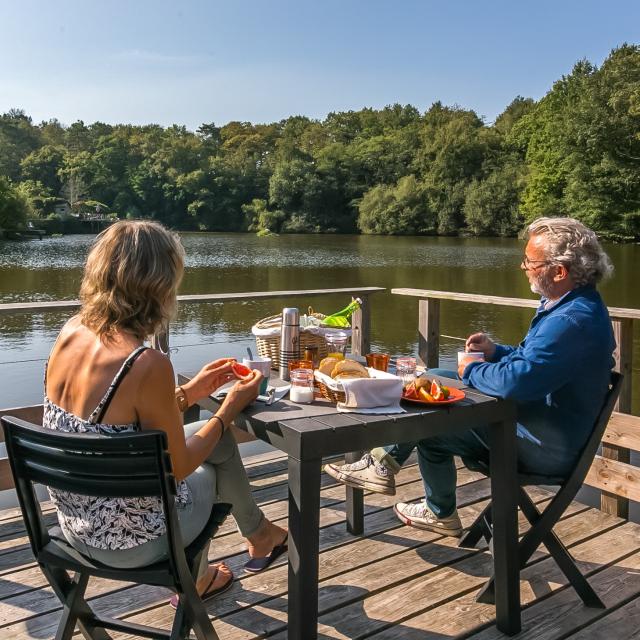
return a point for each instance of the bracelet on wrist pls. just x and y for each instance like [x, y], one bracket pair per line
[181, 399]
[224, 428]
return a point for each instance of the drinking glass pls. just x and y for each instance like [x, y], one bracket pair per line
[406, 370]
[300, 364]
[379, 361]
[263, 365]
[337, 344]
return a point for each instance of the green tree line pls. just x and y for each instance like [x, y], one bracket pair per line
[388, 171]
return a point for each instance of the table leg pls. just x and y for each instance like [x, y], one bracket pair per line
[192, 414]
[355, 501]
[504, 496]
[304, 530]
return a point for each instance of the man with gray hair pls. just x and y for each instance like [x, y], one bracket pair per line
[558, 376]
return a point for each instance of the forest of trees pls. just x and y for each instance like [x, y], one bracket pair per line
[391, 171]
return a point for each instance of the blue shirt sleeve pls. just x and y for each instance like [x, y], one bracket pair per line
[502, 351]
[539, 366]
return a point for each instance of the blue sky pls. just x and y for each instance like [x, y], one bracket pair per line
[195, 61]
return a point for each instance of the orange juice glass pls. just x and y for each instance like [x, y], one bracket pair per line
[379, 361]
[300, 364]
[337, 344]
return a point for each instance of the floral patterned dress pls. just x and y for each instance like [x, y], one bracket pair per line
[106, 523]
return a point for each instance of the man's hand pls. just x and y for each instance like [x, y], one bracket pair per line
[211, 377]
[481, 342]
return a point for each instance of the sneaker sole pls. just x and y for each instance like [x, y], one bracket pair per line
[455, 533]
[359, 484]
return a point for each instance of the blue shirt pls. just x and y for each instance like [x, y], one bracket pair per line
[558, 375]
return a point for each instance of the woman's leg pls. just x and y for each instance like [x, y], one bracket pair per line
[232, 484]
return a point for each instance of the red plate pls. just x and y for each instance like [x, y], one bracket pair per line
[455, 395]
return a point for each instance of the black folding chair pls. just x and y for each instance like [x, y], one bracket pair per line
[121, 466]
[542, 523]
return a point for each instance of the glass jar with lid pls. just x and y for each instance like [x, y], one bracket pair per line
[337, 344]
[301, 391]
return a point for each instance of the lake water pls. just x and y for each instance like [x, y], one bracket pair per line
[51, 269]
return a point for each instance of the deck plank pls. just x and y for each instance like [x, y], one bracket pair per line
[622, 624]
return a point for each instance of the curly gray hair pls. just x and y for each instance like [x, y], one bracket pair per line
[572, 244]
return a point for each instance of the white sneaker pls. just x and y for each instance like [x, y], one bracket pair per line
[367, 474]
[420, 516]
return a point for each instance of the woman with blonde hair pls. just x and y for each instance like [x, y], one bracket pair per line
[100, 378]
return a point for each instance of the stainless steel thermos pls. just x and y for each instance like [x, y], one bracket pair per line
[289, 340]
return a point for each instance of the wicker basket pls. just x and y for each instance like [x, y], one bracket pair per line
[330, 394]
[269, 346]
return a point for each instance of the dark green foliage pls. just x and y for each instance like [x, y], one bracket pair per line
[388, 171]
[14, 207]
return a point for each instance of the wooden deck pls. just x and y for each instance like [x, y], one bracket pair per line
[396, 583]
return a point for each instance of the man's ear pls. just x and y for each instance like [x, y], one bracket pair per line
[562, 273]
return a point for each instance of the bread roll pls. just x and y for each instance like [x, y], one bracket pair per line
[346, 375]
[349, 366]
[327, 365]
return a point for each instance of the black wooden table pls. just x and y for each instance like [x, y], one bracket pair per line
[307, 433]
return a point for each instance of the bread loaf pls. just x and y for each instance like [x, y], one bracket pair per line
[349, 369]
[327, 365]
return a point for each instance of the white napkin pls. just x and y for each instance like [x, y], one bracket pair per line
[382, 389]
[394, 408]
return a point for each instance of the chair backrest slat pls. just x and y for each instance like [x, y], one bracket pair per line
[86, 462]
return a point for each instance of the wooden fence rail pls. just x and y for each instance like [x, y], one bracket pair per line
[622, 321]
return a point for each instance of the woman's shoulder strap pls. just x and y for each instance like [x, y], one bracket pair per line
[101, 409]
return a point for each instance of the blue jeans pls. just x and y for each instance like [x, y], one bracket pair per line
[437, 466]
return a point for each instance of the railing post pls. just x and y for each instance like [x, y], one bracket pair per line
[429, 332]
[361, 327]
[623, 332]
[160, 341]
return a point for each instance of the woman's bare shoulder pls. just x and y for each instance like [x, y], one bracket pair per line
[154, 367]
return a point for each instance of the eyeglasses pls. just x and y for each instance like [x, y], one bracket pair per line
[529, 264]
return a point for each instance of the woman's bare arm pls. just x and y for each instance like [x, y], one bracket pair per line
[157, 409]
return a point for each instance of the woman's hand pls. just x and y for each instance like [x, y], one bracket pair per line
[481, 342]
[211, 377]
[240, 395]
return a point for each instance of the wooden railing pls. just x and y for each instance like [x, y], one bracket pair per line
[611, 472]
[360, 339]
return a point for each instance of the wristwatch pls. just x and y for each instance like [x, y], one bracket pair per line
[181, 399]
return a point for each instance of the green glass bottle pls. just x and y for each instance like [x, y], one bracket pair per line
[341, 318]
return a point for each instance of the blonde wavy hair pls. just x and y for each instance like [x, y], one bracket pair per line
[131, 279]
[572, 244]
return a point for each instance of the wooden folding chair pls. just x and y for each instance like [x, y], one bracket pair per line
[119, 466]
[542, 523]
